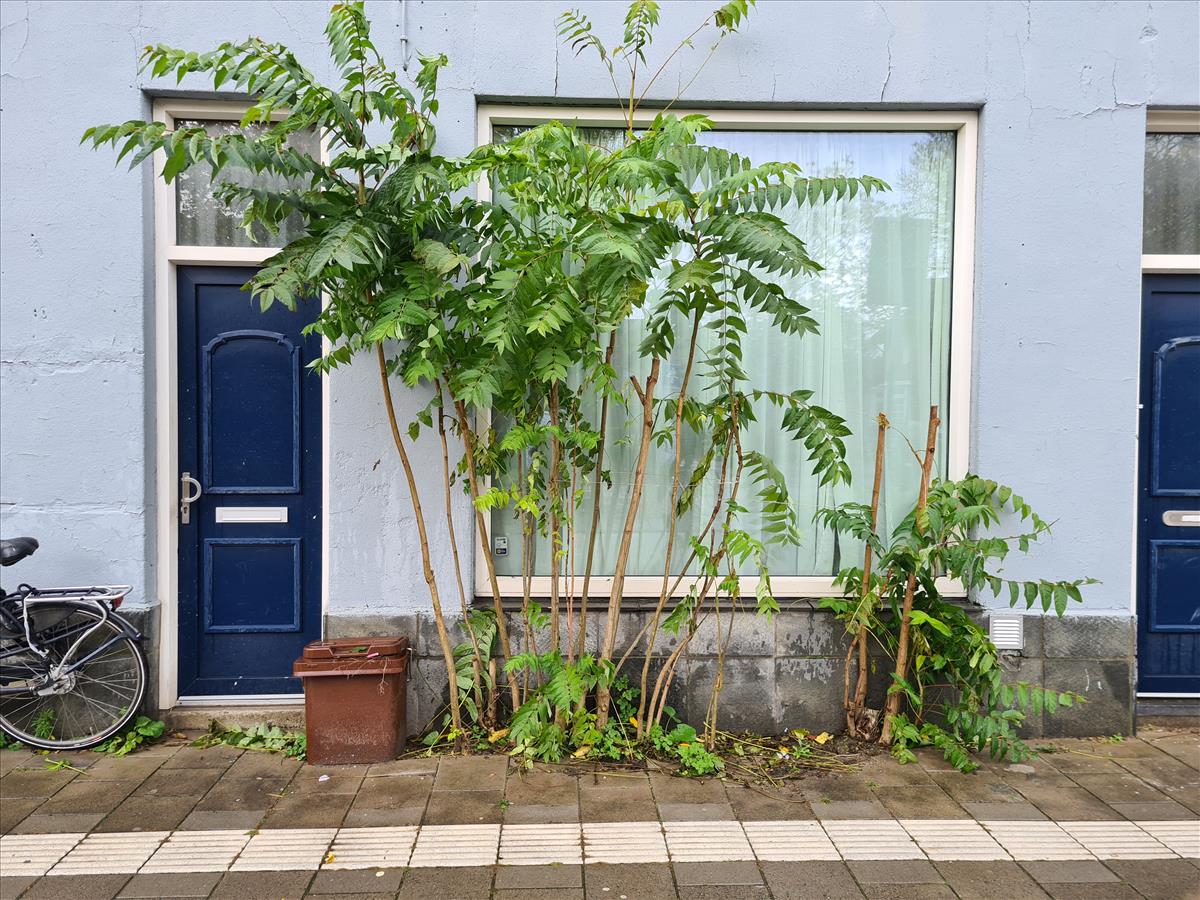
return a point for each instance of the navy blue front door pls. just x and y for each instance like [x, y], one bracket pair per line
[1169, 488]
[250, 435]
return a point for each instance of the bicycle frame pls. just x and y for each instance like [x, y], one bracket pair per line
[98, 597]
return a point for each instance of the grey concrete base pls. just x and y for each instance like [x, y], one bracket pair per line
[181, 718]
[781, 675]
[789, 673]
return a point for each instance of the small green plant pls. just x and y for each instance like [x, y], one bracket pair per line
[43, 724]
[263, 736]
[682, 743]
[554, 718]
[9, 743]
[143, 731]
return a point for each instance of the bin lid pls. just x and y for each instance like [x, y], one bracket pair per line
[355, 648]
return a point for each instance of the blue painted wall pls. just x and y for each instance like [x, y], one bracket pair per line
[1063, 89]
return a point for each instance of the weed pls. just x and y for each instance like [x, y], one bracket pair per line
[143, 731]
[264, 736]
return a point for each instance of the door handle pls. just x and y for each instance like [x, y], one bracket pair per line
[1182, 518]
[186, 499]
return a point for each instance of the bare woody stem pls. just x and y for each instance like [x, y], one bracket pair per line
[646, 395]
[553, 490]
[423, 537]
[861, 635]
[477, 665]
[665, 590]
[481, 525]
[596, 493]
[892, 709]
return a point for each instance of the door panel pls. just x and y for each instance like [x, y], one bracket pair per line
[250, 432]
[1169, 488]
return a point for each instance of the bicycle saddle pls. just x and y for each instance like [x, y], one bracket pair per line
[16, 549]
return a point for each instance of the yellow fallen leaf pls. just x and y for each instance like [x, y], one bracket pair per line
[329, 857]
[823, 737]
[497, 735]
[633, 721]
[681, 746]
[582, 751]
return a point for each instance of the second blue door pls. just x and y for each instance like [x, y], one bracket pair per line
[1169, 489]
[250, 453]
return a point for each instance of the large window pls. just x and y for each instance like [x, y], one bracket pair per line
[886, 304]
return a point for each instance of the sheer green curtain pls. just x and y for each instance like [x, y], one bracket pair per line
[883, 304]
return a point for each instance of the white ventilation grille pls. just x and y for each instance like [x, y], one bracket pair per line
[1007, 632]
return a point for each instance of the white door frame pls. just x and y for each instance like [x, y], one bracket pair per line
[1158, 121]
[168, 256]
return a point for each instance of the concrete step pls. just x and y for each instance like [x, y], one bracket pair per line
[197, 718]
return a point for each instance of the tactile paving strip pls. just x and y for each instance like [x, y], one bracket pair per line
[871, 839]
[707, 841]
[623, 842]
[1117, 840]
[110, 853]
[785, 841]
[371, 848]
[197, 851]
[1036, 840]
[541, 845]
[456, 845]
[284, 849]
[953, 839]
[1182, 836]
[308, 849]
[34, 854]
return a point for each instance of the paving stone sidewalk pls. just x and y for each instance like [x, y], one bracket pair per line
[174, 788]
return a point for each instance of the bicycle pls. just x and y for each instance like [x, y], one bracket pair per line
[72, 671]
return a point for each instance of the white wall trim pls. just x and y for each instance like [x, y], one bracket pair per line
[168, 256]
[965, 124]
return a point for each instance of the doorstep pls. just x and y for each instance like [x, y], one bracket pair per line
[192, 717]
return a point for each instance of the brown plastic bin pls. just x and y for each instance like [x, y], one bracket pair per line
[354, 698]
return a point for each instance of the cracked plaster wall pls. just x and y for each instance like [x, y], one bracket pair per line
[1062, 88]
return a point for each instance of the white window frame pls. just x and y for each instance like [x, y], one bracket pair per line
[964, 124]
[168, 255]
[1171, 121]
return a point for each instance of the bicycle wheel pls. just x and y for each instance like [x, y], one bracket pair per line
[42, 707]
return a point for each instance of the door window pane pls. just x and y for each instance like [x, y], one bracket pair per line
[1171, 213]
[203, 220]
[883, 305]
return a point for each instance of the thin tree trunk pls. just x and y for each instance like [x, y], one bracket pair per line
[552, 491]
[477, 662]
[598, 479]
[665, 590]
[646, 395]
[481, 525]
[892, 709]
[423, 537]
[570, 598]
[856, 722]
[733, 448]
[526, 577]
